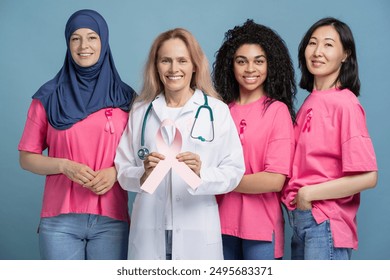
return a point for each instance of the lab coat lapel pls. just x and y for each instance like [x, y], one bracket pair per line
[193, 104]
[158, 107]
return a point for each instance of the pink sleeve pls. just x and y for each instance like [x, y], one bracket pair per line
[35, 130]
[358, 153]
[280, 147]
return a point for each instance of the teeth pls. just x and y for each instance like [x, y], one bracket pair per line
[174, 77]
[85, 54]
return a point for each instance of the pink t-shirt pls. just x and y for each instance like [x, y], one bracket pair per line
[93, 142]
[331, 141]
[267, 141]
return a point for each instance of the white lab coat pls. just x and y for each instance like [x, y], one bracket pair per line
[196, 225]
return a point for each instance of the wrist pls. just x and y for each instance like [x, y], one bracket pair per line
[305, 193]
[62, 162]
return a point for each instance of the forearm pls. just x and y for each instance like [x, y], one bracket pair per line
[40, 164]
[261, 182]
[338, 188]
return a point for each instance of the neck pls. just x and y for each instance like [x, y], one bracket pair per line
[178, 99]
[249, 97]
[325, 83]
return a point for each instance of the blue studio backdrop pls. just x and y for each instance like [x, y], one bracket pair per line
[32, 50]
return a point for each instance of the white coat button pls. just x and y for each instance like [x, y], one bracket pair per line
[178, 198]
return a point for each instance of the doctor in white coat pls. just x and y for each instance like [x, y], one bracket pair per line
[177, 221]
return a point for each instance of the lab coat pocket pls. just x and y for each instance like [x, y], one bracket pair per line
[213, 226]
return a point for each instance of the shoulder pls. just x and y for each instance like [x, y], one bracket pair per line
[48, 88]
[347, 101]
[277, 108]
[139, 105]
[36, 108]
[217, 102]
[277, 105]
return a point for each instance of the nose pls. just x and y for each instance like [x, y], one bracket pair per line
[250, 67]
[173, 67]
[84, 43]
[318, 50]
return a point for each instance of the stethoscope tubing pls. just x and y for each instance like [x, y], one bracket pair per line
[144, 151]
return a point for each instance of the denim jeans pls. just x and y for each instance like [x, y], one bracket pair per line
[235, 248]
[168, 244]
[83, 237]
[312, 241]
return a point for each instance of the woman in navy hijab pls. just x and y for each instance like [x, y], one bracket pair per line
[78, 118]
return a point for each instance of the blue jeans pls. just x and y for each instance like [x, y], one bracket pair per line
[83, 237]
[168, 244]
[312, 241]
[235, 248]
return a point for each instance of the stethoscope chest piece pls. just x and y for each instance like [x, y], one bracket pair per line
[143, 153]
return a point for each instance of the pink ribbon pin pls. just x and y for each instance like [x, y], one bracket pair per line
[170, 161]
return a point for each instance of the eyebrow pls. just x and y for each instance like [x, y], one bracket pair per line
[173, 58]
[89, 33]
[244, 57]
[327, 38]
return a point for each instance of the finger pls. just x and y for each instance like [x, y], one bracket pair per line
[83, 180]
[103, 190]
[103, 186]
[100, 180]
[90, 174]
[85, 175]
[187, 156]
[155, 156]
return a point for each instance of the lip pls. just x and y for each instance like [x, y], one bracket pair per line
[84, 55]
[317, 62]
[174, 77]
[250, 79]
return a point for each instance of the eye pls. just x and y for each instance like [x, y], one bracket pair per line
[259, 61]
[74, 39]
[93, 37]
[240, 61]
[311, 43]
[164, 60]
[182, 61]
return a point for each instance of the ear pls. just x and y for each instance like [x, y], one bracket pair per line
[346, 55]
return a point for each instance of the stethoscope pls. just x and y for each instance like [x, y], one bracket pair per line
[143, 151]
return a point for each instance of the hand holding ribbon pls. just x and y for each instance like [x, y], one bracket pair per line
[170, 161]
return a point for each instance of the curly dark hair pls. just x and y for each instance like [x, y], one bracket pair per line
[280, 82]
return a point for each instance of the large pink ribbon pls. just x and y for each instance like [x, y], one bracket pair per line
[170, 161]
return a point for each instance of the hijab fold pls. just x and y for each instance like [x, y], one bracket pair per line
[76, 92]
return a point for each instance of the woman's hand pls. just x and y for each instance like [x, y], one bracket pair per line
[103, 181]
[78, 172]
[301, 200]
[191, 160]
[150, 163]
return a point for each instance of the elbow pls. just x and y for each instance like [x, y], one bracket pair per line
[22, 160]
[373, 179]
[279, 183]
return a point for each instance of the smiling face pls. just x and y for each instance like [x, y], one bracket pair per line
[175, 67]
[85, 47]
[250, 69]
[324, 56]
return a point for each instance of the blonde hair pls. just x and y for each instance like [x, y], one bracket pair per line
[201, 78]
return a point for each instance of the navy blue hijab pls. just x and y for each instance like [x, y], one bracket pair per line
[76, 92]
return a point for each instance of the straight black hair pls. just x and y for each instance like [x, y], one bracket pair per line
[349, 74]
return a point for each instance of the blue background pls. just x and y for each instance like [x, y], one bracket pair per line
[32, 50]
